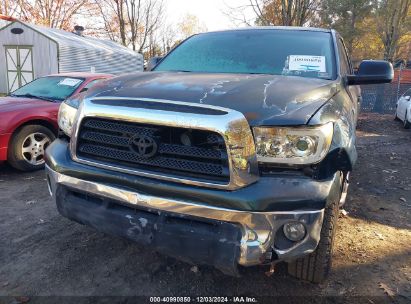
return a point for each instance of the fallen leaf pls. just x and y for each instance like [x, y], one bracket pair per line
[379, 235]
[387, 289]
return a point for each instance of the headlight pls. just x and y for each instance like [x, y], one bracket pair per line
[66, 116]
[74, 101]
[293, 145]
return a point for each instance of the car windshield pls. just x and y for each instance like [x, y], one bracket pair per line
[278, 52]
[53, 88]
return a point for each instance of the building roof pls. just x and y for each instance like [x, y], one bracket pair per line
[5, 20]
[68, 39]
[3, 23]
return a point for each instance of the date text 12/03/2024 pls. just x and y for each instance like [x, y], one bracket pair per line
[239, 299]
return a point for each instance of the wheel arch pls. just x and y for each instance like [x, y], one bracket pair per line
[36, 121]
[15, 154]
[342, 155]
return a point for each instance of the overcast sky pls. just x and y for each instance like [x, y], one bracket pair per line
[210, 12]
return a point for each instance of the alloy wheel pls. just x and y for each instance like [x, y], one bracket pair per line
[33, 148]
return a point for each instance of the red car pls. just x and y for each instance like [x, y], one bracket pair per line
[28, 116]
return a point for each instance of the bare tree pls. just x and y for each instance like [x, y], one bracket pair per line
[134, 21]
[190, 25]
[168, 36]
[8, 8]
[276, 12]
[56, 13]
[113, 19]
[393, 22]
[104, 22]
[347, 17]
[245, 14]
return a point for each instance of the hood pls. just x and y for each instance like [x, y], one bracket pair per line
[263, 99]
[8, 104]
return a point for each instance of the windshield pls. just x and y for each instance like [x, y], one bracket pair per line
[52, 87]
[278, 52]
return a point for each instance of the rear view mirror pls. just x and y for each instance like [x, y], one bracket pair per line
[153, 62]
[372, 72]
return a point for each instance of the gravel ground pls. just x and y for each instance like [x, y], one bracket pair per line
[43, 254]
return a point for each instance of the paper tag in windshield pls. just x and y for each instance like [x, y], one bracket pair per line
[71, 82]
[307, 63]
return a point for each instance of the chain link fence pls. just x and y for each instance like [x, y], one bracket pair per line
[382, 98]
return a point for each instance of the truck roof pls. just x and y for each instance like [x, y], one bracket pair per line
[286, 28]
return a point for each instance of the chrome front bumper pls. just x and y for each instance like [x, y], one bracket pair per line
[258, 228]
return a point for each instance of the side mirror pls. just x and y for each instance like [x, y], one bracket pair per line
[407, 98]
[153, 62]
[372, 72]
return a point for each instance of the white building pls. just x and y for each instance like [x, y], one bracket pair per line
[29, 51]
[3, 23]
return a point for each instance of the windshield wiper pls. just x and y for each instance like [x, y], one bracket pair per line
[183, 71]
[28, 95]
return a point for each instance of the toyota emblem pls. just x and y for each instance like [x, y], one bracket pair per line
[143, 145]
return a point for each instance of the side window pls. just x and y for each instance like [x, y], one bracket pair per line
[345, 64]
[90, 84]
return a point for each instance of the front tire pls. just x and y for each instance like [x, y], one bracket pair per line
[27, 147]
[315, 267]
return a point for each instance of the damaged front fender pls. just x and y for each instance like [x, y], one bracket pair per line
[343, 153]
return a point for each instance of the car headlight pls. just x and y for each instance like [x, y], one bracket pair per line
[67, 115]
[74, 101]
[293, 145]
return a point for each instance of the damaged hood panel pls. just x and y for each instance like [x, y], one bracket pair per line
[263, 99]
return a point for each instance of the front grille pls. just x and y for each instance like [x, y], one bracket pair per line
[177, 152]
